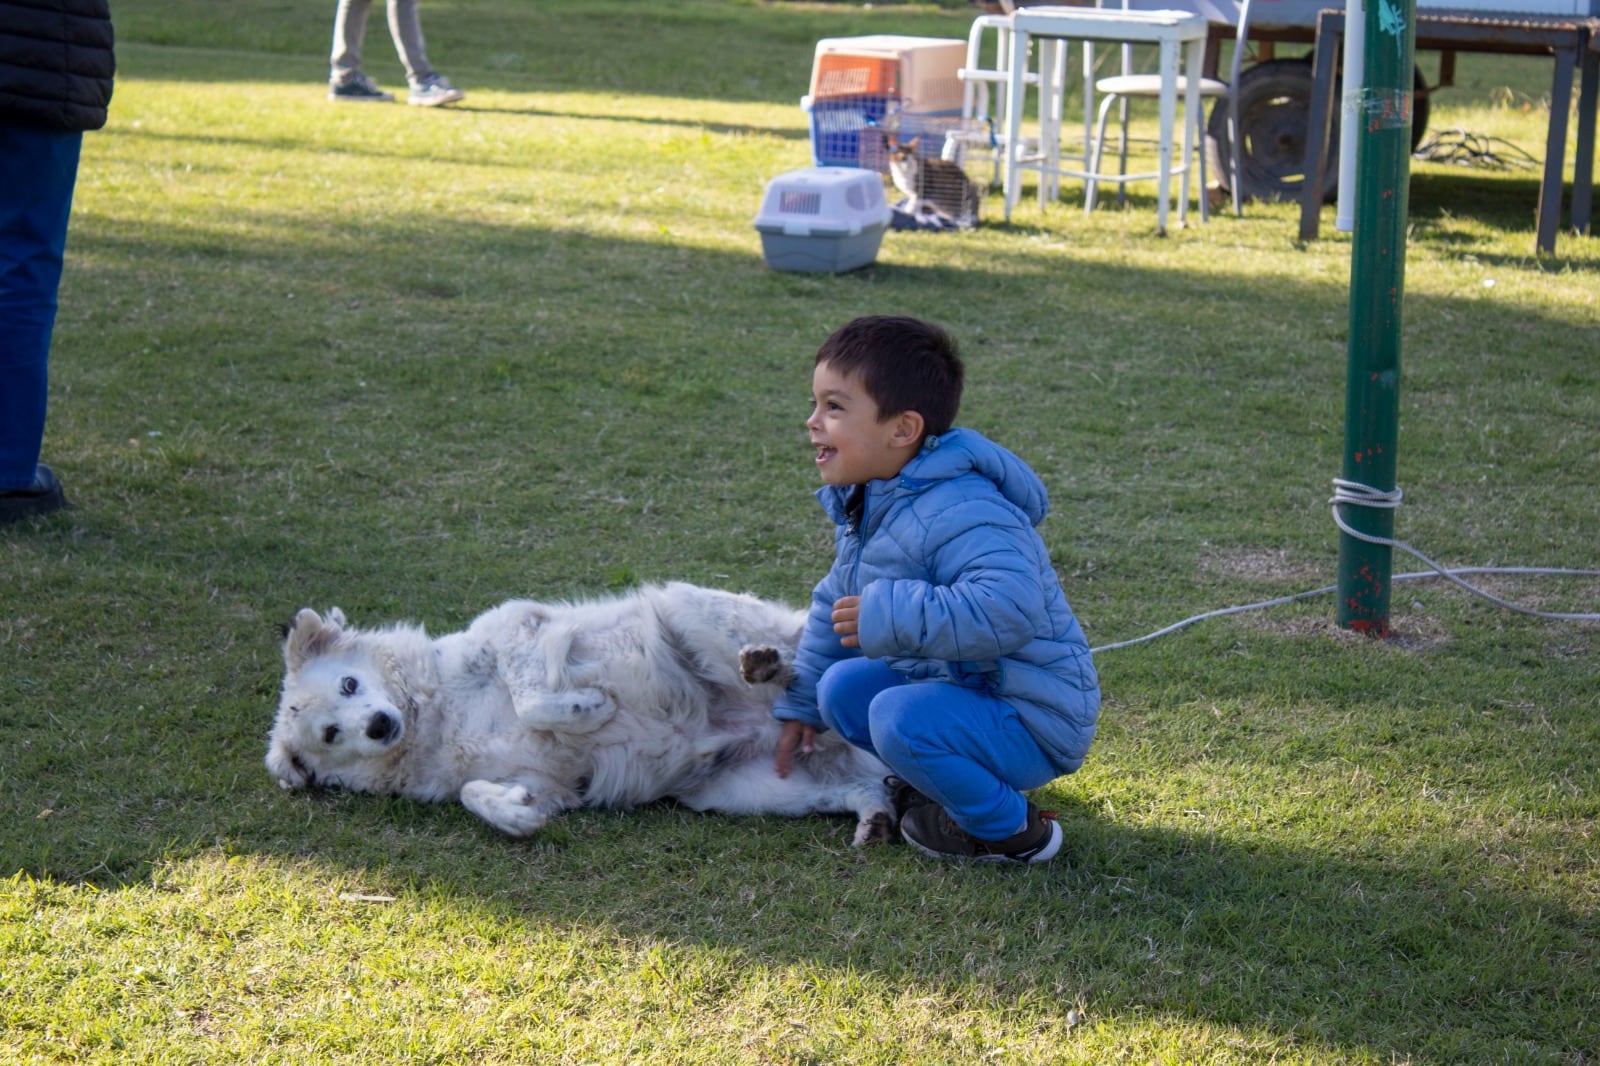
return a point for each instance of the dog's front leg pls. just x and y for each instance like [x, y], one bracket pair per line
[763, 664]
[513, 809]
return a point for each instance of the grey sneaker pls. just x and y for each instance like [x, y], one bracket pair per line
[930, 830]
[434, 90]
[358, 90]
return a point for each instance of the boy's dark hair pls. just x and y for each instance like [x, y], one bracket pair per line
[904, 363]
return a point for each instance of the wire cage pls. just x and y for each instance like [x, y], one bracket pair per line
[856, 82]
[936, 164]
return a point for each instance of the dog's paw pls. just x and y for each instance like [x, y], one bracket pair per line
[877, 828]
[760, 664]
[577, 710]
[511, 809]
[584, 701]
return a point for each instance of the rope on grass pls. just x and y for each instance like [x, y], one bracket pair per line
[1354, 494]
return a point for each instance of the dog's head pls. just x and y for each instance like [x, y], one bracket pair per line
[340, 720]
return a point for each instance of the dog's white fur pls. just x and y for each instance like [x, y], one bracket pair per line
[537, 708]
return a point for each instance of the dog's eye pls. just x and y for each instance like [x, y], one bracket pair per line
[348, 686]
[330, 735]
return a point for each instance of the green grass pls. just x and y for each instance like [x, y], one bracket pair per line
[415, 362]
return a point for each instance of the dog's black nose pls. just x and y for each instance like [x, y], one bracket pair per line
[381, 727]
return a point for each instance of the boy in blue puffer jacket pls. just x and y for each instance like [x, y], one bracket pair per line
[940, 639]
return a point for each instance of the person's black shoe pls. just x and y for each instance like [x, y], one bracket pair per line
[930, 829]
[42, 497]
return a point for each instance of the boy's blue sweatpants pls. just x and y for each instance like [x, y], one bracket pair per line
[965, 749]
[38, 170]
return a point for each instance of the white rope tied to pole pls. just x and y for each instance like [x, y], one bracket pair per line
[1355, 494]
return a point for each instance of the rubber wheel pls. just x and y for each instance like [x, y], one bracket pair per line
[1274, 106]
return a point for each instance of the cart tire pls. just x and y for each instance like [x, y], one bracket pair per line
[1274, 108]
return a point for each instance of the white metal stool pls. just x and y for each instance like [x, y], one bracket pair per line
[980, 116]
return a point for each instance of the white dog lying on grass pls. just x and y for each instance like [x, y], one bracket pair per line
[538, 708]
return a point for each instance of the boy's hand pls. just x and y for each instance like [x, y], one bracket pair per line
[796, 735]
[847, 620]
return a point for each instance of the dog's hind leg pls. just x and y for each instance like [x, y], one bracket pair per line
[755, 788]
[875, 827]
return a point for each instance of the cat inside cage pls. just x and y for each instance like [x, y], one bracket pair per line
[927, 169]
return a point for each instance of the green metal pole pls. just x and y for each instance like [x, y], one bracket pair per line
[1377, 286]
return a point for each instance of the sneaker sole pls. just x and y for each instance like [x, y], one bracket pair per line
[360, 99]
[1052, 849]
[457, 98]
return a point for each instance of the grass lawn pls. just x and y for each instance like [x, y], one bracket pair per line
[414, 362]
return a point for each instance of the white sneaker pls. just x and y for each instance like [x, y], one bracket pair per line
[433, 91]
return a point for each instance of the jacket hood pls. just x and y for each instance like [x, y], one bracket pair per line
[952, 455]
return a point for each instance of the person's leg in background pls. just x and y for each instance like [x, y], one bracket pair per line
[38, 170]
[405, 26]
[346, 81]
[429, 88]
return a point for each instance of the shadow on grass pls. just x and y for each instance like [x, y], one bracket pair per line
[1305, 948]
[1366, 952]
[1507, 202]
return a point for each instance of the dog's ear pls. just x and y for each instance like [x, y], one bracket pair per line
[310, 636]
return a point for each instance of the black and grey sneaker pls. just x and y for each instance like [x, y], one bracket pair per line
[360, 89]
[41, 497]
[931, 830]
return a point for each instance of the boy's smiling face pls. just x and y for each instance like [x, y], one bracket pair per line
[853, 446]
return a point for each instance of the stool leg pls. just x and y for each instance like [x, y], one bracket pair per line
[1169, 108]
[1016, 93]
[1092, 182]
[1122, 121]
[1088, 100]
[1191, 113]
[1052, 99]
[1122, 150]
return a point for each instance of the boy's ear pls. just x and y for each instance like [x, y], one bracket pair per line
[906, 429]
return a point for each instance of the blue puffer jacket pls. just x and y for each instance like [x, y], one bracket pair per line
[956, 585]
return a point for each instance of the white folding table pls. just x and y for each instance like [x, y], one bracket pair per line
[1169, 30]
